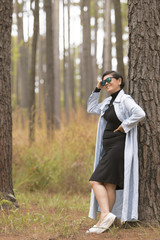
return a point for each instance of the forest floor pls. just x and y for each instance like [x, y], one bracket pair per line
[42, 216]
[137, 233]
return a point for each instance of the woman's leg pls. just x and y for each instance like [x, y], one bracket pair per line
[102, 198]
[105, 195]
[111, 190]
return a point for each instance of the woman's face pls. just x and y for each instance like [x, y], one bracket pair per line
[112, 86]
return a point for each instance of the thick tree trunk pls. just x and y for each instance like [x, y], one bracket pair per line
[32, 106]
[119, 41]
[6, 186]
[144, 86]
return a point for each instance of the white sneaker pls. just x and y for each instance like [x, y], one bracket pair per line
[92, 230]
[106, 223]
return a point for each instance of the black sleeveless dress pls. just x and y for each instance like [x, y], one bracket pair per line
[111, 167]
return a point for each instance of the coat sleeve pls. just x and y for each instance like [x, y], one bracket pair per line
[135, 114]
[93, 106]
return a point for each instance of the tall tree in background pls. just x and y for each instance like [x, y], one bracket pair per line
[94, 57]
[144, 85]
[41, 76]
[65, 64]
[86, 49]
[56, 63]
[72, 80]
[49, 91]
[119, 40]
[107, 46]
[6, 186]
[40, 79]
[71, 60]
[78, 79]
[32, 105]
[23, 57]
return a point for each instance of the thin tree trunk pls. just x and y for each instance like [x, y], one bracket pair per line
[40, 75]
[49, 60]
[65, 70]
[107, 49]
[144, 85]
[72, 83]
[22, 74]
[94, 57]
[6, 185]
[70, 62]
[107, 44]
[86, 48]
[56, 63]
[82, 80]
[119, 41]
[32, 106]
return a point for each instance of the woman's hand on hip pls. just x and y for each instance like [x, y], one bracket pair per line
[119, 129]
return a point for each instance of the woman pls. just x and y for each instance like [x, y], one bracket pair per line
[114, 181]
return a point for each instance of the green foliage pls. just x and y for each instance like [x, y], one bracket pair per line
[4, 203]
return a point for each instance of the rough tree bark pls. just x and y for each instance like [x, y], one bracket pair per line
[6, 185]
[144, 86]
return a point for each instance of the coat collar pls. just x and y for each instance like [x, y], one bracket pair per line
[117, 99]
[119, 96]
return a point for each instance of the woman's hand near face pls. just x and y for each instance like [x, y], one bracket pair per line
[99, 85]
[119, 129]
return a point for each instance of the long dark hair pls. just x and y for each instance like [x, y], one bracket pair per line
[115, 75]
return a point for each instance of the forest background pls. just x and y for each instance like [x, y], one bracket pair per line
[57, 58]
[59, 51]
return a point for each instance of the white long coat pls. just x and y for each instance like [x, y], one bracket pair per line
[129, 113]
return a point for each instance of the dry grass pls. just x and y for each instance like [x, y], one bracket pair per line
[64, 162]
